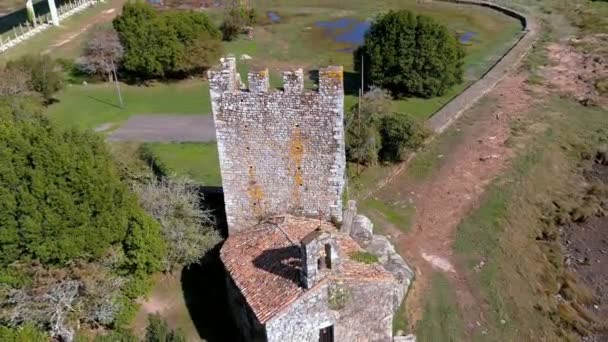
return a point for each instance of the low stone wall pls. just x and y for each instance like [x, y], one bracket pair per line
[445, 116]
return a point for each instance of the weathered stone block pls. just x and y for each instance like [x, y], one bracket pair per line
[280, 151]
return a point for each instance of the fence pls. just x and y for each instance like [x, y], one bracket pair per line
[452, 110]
[27, 30]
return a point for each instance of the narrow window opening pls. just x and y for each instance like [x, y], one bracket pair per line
[326, 334]
[328, 255]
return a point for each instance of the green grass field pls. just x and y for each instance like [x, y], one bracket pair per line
[441, 320]
[297, 42]
[198, 162]
[95, 104]
[294, 42]
[400, 216]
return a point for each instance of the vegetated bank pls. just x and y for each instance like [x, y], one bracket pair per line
[519, 245]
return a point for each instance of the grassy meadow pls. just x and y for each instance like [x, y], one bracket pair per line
[195, 161]
[91, 105]
[295, 41]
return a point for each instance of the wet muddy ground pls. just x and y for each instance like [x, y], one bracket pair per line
[586, 250]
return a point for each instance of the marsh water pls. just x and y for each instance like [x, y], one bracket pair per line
[352, 31]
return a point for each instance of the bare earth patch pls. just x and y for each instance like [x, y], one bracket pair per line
[575, 73]
[102, 17]
[167, 300]
[443, 200]
[586, 254]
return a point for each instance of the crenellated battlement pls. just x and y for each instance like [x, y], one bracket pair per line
[226, 79]
[281, 150]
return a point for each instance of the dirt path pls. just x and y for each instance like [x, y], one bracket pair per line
[101, 17]
[442, 201]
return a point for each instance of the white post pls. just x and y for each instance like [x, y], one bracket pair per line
[15, 32]
[53, 9]
[31, 15]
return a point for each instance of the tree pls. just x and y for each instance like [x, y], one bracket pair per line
[236, 20]
[399, 132]
[411, 55]
[102, 54]
[362, 138]
[44, 75]
[61, 198]
[188, 230]
[166, 44]
[159, 331]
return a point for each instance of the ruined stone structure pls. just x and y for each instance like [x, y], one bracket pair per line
[291, 253]
[280, 151]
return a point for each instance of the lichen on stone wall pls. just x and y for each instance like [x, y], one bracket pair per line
[338, 296]
[296, 154]
[256, 194]
[293, 139]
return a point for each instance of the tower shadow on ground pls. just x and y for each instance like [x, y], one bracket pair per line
[204, 285]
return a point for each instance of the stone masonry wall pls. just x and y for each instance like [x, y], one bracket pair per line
[365, 313]
[280, 151]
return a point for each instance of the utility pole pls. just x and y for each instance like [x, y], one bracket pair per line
[116, 83]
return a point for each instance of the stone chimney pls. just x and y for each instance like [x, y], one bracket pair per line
[320, 257]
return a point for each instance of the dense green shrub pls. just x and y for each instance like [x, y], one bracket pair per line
[411, 55]
[27, 333]
[45, 75]
[21, 108]
[236, 20]
[373, 133]
[163, 44]
[399, 133]
[159, 331]
[61, 199]
[362, 138]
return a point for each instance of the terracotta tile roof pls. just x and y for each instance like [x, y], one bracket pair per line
[264, 261]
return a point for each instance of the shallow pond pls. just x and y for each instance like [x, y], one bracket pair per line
[467, 37]
[345, 30]
[273, 17]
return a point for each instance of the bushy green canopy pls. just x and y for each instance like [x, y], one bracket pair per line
[61, 198]
[167, 43]
[411, 55]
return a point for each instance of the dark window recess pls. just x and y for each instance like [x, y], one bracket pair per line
[328, 255]
[326, 334]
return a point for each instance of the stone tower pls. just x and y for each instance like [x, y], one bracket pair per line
[281, 151]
